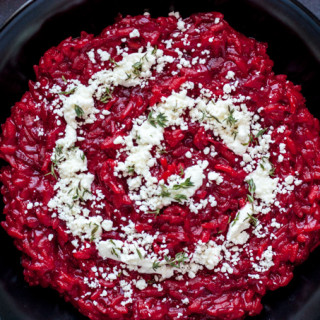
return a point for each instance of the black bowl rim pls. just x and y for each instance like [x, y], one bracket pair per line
[288, 11]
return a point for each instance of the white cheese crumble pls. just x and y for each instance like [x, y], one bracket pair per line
[265, 185]
[236, 232]
[134, 33]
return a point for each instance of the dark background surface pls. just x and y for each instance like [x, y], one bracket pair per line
[298, 301]
[8, 7]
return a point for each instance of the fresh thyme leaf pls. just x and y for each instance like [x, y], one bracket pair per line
[131, 169]
[209, 116]
[155, 212]
[107, 96]
[154, 51]
[137, 68]
[262, 166]
[139, 254]
[52, 172]
[203, 115]
[79, 111]
[160, 120]
[234, 134]
[252, 186]
[272, 170]
[252, 220]
[114, 252]
[94, 231]
[261, 132]
[215, 118]
[184, 185]
[175, 262]
[85, 190]
[64, 79]
[252, 190]
[164, 192]
[250, 198]
[236, 218]
[231, 120]
[155, 265]
[76, 196]
[179, 197]
[113, 62]
[151, 120]
[66, 93]
[58, 149]
[251, 139]
[181, 171]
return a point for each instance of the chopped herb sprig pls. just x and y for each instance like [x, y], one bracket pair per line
[180, 258]
[107, 96]
[252, 190]
[236, 218]
[230, 119]
[52, 172]
[156, 265]
[67, 93]
[79, 111]
[183, 185]
[160, 120]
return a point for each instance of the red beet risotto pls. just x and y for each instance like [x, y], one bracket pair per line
[161, 170]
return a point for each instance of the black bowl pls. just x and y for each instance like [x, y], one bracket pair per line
[293, 35]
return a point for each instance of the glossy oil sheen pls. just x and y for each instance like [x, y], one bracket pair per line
[294, 45]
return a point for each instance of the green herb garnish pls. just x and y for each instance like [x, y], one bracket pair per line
[252, 220]
[261, 132]
[154, 51]
[67, 93]
[180, 197]
[94, 231]
[113, 62]
[155, 212]
[52, 172]
[181, 171]
[164, 192]
[79, 111]
[236, 218]
[107, 96]
[155, 265]
[231, 120]
[184, 185]
[139, 253]
[252, 190]
[160, 120]
[175, 262]
[131, 169]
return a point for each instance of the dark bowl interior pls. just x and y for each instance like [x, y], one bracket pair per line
[294, 45]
